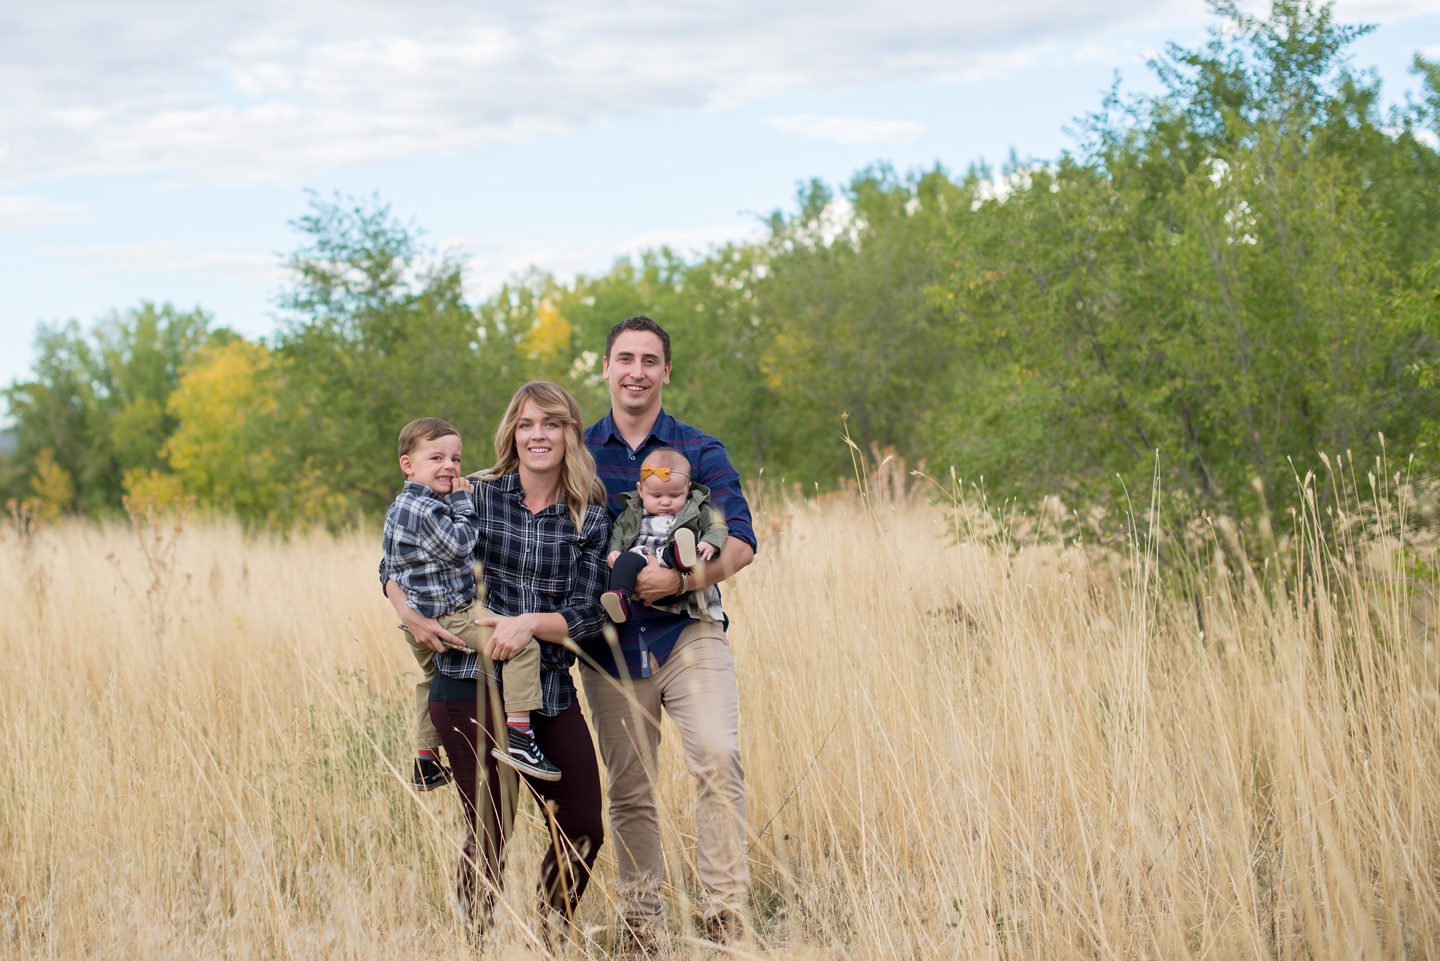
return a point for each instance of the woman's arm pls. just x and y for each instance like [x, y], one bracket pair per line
[426, 630]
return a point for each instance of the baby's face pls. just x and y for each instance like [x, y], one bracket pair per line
[662, 496]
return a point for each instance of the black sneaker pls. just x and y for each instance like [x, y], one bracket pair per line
[685, 556]
[429, 775]
[525, 755]
[617, 605]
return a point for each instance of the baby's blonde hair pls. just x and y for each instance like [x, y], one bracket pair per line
[668, 457]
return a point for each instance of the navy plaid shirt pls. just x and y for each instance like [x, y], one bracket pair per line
[647, 638]
[427, 546]
[538, 563]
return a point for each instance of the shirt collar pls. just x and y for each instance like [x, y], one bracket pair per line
[419, 489]
[663, 430]
[510, 484]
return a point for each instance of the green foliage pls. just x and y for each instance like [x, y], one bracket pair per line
[851, 329]
[378, 334]
[96, 400]
[1212, 280]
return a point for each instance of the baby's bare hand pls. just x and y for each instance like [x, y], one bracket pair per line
[706, 551]
[614, 556]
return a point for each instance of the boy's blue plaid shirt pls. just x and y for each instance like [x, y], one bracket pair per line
[647, 638]
[429, 545]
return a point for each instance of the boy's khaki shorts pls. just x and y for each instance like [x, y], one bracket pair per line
[520, 675]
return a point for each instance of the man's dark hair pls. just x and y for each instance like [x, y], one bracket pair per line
[638, 322]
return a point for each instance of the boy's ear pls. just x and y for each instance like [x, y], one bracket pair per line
[406, 467]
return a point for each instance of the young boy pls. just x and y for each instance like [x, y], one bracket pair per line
[430, 537]
[671, 518]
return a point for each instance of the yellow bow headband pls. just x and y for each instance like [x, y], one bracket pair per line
[661, 472]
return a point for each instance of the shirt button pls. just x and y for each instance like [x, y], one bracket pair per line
[632, 456]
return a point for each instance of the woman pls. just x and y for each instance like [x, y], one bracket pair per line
[542, 550]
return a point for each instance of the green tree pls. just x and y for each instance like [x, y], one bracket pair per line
[1212, 279]
[97, 398]
[852, 328]
[377, 333]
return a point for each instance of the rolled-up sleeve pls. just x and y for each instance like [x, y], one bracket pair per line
[584, 616]
[717, 473]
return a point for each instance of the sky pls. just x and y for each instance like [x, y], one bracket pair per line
[158, 151]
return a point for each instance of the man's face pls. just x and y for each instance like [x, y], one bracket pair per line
[637, 371]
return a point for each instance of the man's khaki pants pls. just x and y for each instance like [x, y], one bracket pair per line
[696, 687]
[520, 675]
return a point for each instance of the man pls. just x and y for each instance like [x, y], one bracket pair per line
[668, 661]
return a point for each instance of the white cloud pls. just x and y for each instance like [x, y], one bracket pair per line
[265, 90]
[489, 264]
[693, 240]
[1379, 11]
[847, 130]
[164, 257]
[22, 212]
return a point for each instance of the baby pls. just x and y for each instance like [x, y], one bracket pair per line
[670, 518]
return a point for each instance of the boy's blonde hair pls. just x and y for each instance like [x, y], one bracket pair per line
[417, 432]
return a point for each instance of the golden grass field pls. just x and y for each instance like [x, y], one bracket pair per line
[1005, 747]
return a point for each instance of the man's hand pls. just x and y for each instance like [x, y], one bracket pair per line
[655, 582]
[425, 630]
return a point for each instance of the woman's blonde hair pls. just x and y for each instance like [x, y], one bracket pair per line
[579, 483]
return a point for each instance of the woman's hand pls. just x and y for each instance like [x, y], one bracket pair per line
[425, 630]
[510, 636]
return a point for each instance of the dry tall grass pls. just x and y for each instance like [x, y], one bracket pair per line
[953, 751]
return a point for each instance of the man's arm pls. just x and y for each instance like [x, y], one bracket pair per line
[654, 582]
[717, 473]
[426, 630]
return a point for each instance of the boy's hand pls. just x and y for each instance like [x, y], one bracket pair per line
[614, 556]
[461, 484]
[706, 550]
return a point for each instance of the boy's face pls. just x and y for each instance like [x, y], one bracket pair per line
[662, 496]
[435, 463]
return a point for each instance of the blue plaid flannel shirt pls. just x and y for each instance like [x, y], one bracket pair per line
[647, 637]
[427, 548]
[538, 563]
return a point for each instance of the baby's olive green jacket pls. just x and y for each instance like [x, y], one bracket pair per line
[697, 514]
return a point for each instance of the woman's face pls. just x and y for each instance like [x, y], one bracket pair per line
[539, 440]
